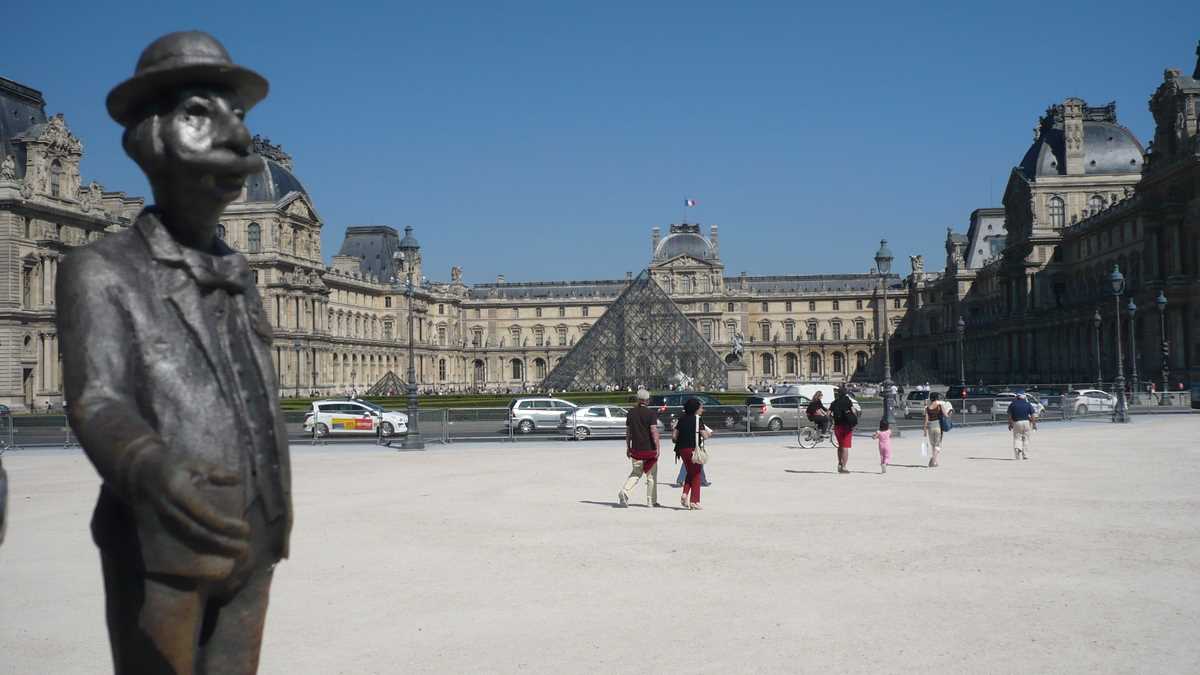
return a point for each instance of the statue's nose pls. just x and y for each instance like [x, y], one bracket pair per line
[233, 134]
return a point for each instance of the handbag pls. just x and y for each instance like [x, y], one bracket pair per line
[944, 422]
[699, 453]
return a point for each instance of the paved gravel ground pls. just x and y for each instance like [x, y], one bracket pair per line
[512, 558]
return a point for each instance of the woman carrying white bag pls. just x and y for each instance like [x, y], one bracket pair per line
[689, 435]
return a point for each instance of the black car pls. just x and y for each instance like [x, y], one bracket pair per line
[726, 416]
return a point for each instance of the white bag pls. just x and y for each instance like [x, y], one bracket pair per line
[924, 448]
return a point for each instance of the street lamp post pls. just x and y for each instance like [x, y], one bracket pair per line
[962, 369]
[1133, 384]
[412, 440]
[1096, 320]
[1117, 281]
[883, 264]
[1161, 301]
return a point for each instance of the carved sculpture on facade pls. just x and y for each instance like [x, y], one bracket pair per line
[456, 275]
[8, 168]
[918, 263]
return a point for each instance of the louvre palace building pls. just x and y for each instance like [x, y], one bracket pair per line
[1031, 282]
[344, 326]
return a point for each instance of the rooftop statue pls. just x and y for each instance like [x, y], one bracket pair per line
[167, 365]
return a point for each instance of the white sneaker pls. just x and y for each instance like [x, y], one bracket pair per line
[623, 498]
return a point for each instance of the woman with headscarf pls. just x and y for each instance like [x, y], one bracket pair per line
[688, 433]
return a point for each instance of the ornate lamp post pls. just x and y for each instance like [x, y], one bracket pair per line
[1133, 384]
[962, 370]
[1117, 281]
[412, 440]
[1161, 301]
[883, 264]
[1096, 320]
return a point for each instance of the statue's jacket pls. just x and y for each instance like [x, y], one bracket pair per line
[152, 363]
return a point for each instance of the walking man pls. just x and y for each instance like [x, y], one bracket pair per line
[1022, 420]
[641, 447]
[167, 365]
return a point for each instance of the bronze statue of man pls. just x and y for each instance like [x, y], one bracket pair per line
[167, 368]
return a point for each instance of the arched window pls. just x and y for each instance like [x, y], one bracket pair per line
[839, 362]
[253, 238]
[1058, 213]
[518, 369]
[539, 368]
[768, 364]
[814, 364]
[791, 363]
[56, 171]
[860, 360]
[480, 371]
[220, 231]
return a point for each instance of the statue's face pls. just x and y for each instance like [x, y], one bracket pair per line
[207, 149]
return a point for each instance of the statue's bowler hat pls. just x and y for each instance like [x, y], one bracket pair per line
[182, 59]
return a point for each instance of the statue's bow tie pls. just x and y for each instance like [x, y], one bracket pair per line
[227, 271]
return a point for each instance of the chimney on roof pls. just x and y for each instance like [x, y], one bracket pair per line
[499, 278]
[629, 276]
[1196, 74]
[655, 235]
[1073, 131]
[712, 237]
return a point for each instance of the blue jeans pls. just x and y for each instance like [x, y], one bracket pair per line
[683, 474]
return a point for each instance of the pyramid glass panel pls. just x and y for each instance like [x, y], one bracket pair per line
[641, 340]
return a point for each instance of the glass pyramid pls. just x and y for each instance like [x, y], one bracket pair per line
[642, 339]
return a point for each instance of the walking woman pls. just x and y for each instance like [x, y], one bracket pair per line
[935, 412]
[688, 430]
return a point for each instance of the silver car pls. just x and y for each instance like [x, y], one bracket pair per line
[776, 412]
[594, 420]
[528, 414]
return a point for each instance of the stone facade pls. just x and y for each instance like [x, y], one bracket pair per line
[1030, 312]
[45, 209]
[341, 328]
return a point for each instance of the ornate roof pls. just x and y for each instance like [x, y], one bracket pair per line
[21, 108]
[374, 246]
[1108, 147]
[276, 180]
[686, 240]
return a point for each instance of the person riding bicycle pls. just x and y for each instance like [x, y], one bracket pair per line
[818, 413]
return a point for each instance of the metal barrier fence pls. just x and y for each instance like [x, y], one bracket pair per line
[451, 425]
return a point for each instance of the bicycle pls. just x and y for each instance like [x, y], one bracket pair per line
[809, 437]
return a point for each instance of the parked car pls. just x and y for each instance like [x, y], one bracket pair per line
[807, 391]
[1050, 397]
[594, 420]
[915, 402]
[1084, 401]
[727, 416]
[776, 412]
[528, 414]
[979, 399]
[1005, 398]
[348, 416]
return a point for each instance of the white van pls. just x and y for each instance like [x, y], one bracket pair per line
[807, 391]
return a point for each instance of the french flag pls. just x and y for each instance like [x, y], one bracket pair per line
[689, 202]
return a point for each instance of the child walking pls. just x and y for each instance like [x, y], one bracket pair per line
[884, 436]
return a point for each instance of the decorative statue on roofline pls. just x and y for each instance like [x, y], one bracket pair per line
[167, 365]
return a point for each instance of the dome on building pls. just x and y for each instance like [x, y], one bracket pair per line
[276, 180]
[409, 241]
[1108, 147]
[684, 240]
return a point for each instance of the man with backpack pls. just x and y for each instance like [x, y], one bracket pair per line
[845, 417]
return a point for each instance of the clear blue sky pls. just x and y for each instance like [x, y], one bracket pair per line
[543, 140]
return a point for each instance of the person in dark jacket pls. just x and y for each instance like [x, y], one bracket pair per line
[688, 430]
[845, 417]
